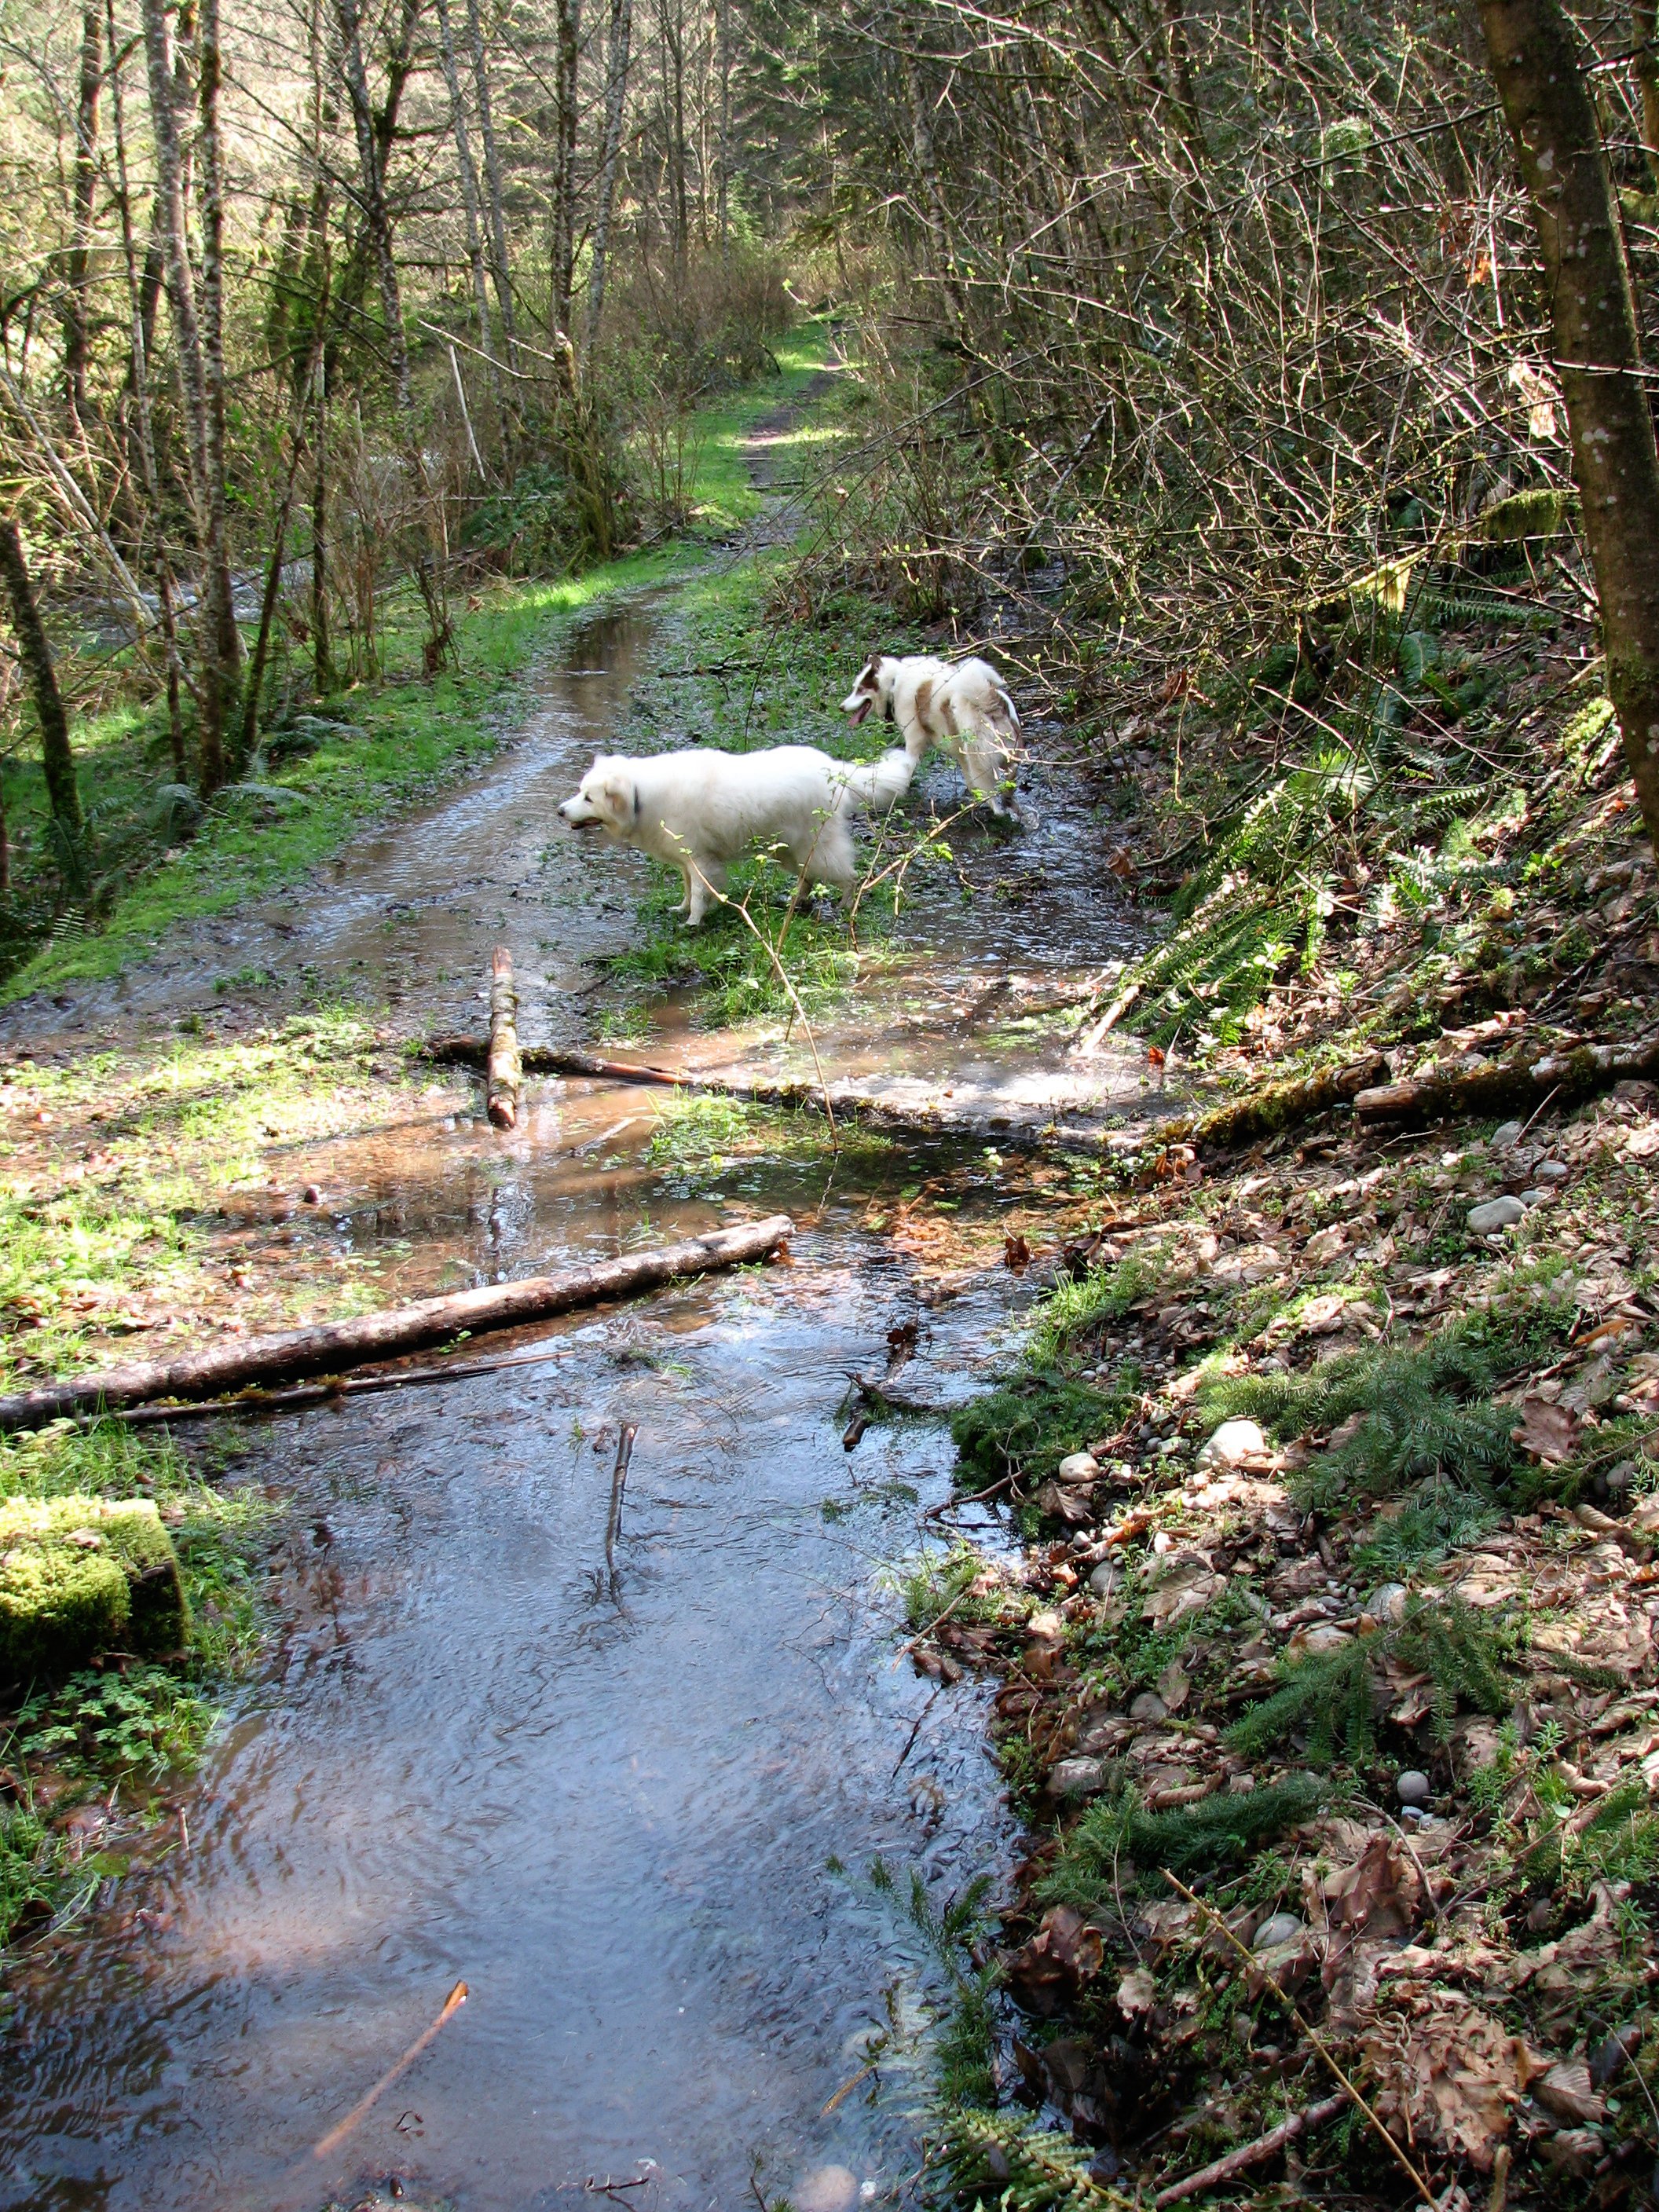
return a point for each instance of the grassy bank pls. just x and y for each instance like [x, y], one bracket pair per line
[391, 743]
[85, 1764]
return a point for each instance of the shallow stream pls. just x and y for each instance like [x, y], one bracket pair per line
[615, 1808]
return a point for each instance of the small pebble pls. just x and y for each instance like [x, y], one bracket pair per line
[1148, 1706]
[1507, 1135]
[312, 1194]
[1078, 1467]
[1413, 1787]
[1530, 1198]
[1388, 1602]
[1104, 1579]
[1283, 1927]
[1550, 1171]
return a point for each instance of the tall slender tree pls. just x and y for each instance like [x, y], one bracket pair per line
[1536, 61]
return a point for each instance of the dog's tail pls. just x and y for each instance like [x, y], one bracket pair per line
[877, 784]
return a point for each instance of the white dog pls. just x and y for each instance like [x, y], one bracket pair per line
[699, 810]
[962, 707]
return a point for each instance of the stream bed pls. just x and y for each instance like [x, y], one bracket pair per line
[635, 1814]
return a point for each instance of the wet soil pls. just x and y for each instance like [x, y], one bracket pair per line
[615, 1812]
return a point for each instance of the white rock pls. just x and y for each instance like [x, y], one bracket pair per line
[825, 2188]
[1283, 1927]
[1077, 1466]
[1411, 1788]
[1233, 1443]
[1072, 1778]
[1496, 1213]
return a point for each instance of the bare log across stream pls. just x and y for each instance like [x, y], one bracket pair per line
[330, 1346]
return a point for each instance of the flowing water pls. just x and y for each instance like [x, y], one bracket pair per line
[634, 1813]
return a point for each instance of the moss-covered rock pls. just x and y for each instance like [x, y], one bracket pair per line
[82, 1575]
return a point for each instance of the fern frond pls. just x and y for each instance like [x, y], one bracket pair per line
[1005, 2161]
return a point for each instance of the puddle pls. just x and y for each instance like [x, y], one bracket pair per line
[616, 1822]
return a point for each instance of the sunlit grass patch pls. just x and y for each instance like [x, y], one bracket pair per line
[106, 1203]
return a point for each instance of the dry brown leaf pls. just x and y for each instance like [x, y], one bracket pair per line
[1566, 2091]
[1064, 1953]
[1136, 1993]
[1445, 2073]
[1546, 1433]
[1380, 1894]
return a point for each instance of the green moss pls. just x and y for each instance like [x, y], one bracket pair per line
[1028, 1425]
[81, 1575]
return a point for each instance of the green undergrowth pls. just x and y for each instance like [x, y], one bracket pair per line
[1449, 782]
[1028, 1424]
[385, 745]
[124, 1725]
[1118, 1841]
[1400, 1415]
[699, 1136]
[1327, 1702]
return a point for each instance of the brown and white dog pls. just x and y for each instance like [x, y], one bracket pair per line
[962, 707]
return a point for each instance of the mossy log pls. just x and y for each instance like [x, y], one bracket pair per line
[1272, 1107]
[1578, 1073]
[81, 1575]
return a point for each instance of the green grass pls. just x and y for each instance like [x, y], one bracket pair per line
[415, 735]
[106, 1215]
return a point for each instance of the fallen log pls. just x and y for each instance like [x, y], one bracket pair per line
[1221, 2170]
[329, 1346]
[504, 1066]
[1272, 1107]
[1572, 1075]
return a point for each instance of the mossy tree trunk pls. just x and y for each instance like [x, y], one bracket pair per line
[1534, 61]
[57, 760]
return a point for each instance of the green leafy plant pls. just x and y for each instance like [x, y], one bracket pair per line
[1029, 1425]
[1117, 1834]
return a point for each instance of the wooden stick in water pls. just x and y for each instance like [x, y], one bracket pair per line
[613, 1522]
[366, 2103]
[505, 1076]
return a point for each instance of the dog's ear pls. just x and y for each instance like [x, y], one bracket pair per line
[621, 794]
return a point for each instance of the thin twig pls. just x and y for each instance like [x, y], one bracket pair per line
[613, 1522]
[360, 2111]
[1314, 2037]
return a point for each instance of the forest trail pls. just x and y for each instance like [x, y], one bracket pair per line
[958, 1021]
[611, 1813]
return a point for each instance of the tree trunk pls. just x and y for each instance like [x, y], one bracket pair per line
[333, 1345]
[1535, 60]
[499, 269]
[616, 102]
[377, 221]
[470, 200]
[56, 761]
[1643, 35]
[322, 646]
[564, 167]
[213, 692]
[80, 252]
[141, 423]
[221, 607]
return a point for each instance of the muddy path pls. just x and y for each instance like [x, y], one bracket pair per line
[618, 1812]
